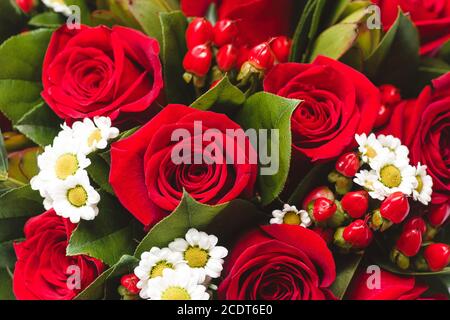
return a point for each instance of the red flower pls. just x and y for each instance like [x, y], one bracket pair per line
[338, 102]
[150, 184]
[101, 72]
[43, 269]
[279, 262]
[432, 18]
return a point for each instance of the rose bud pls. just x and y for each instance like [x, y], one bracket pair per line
[227, 57]
[390, 95]
[358, 234]
[439, 214]
[416, 223]
[26, 5]
[322, 209]
[437, 256]
[348, 164]
[356, 203]
[384, 114]
[261, 57]
[199, 31]
[319, 192]
[409, 242]
[395, 207]
[225, 32]
[129, 282]
[198, 60]
[281, 48]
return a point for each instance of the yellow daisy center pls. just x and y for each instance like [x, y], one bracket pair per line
[175, 293]
[158, 269]
[95, 137]
[196, 257]
[391, 176]
[370, 152]
[291, 218]
[66, 166]
[419, 184]
[77, 196]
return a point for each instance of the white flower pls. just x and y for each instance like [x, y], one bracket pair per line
[392, 175]
[95, 134]
[75, 198]
[58, 6]
[152, 265]
[366, 179]
[290, 215]
[394, 145]
[369, 147]
[424, 187]
[180, 284]
[200, 251]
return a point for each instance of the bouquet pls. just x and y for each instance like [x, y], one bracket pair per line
[222, 149]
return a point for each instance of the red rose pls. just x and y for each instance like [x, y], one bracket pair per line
[279, 262]
[392, 287]
[432, 18]
[424, 126]
[101, 72]
[42, 269]
[150, 184]
[258, 20]
[338, 102]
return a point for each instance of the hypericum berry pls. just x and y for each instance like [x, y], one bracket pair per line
[225, 32]
[243, 52]
[281, 48]
[26, 5]
[383, 116]
[323, 209]
[356, 203]
[129, 282]
[437, 256]
[358, 234]
[395, 207]
[348, 164]
[390, 95]
[261, 57]
[409, 242]
[199, 31]
[227, 57]
[416, 223]
[438, 214]
[319, 192]
[197, 61]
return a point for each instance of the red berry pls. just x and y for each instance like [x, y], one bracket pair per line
[198, 60]
[199, 31]
[395, 207]
[384, 114]
[416, 223]
[243, 53]
[348, 164]
[129, 282]
[390, 95]
[281, 47]
[437, 256]
[262, 57]
[358, 234]
[227, 57]
[409, 242]
[439, 214]
[26, 5]
[225, 32]
[319, 192]
[356, 203]
[323, 209]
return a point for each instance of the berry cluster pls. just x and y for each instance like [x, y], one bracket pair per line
[390, 97]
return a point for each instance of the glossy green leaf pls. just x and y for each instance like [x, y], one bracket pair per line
[346, 267]
[6, 288]
[3, 159]
[7, 255]
[12, 19]
[47, 20]
[99, 172]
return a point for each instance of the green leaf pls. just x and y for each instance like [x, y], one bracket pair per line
[173, 49]
[6, 289]
[3, 159]
[47, 20]
[109, 236]
[11, 19]
[40, 125]
[223, 98]
[300, 39]
[346, 267]
[267, 111]
[99, 172]
[7, 255]
[444, 53]
[335, 41]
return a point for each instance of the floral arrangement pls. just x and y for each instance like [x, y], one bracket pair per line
[222, 149]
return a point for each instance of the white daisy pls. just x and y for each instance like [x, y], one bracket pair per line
[369, 146]
[424, 187]
[200, 251]
[94, 134]
[394, 145]
[180, 284]
[75, 198]
[392, 175]
[58, 6]
[290, 215]
[366, 179]
[152, 265]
